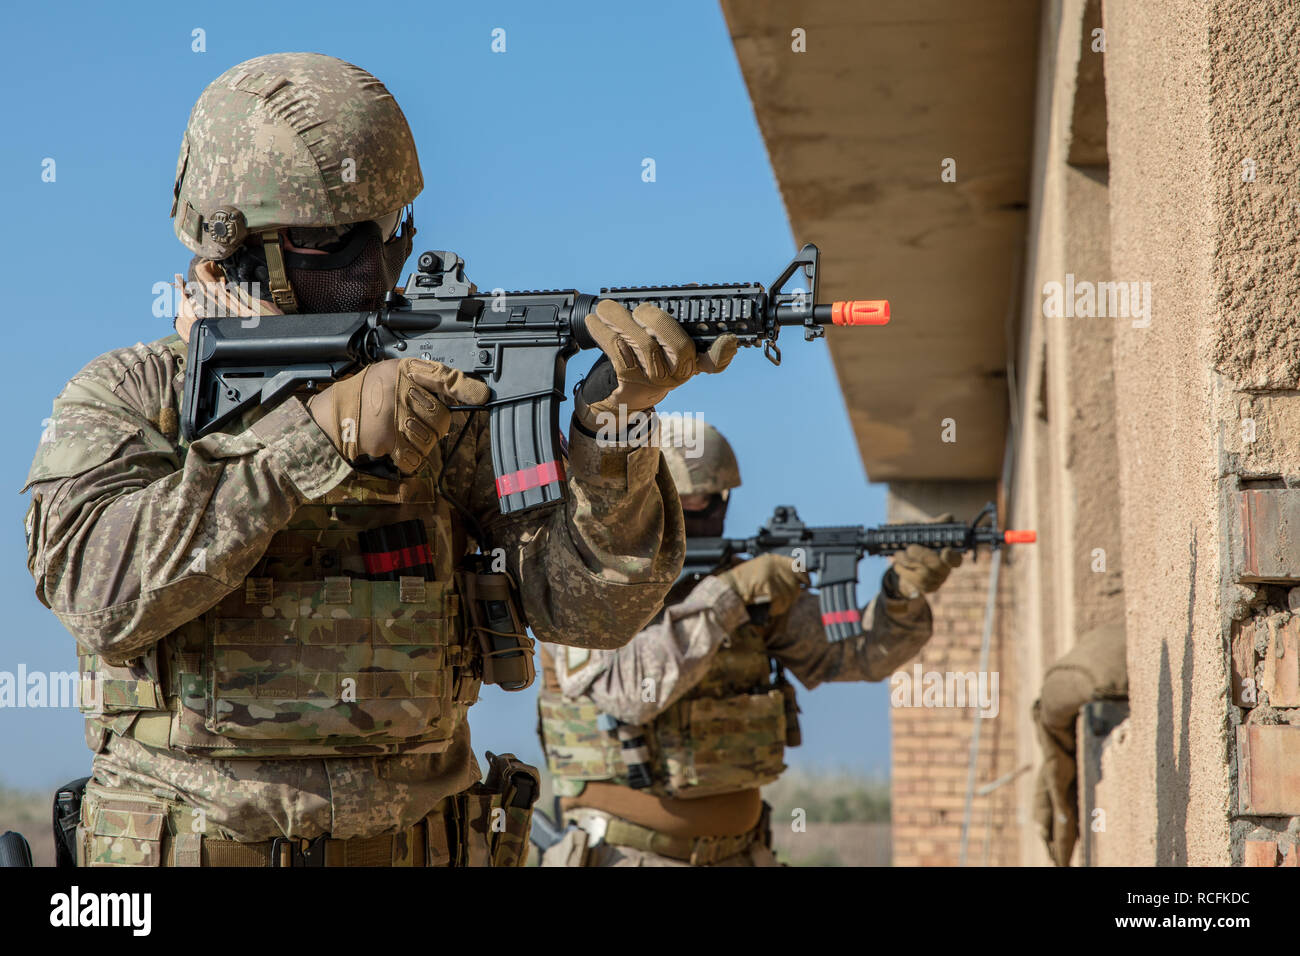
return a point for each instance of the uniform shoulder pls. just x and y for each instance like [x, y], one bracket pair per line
[130, 393]
[114, 369]
[142, 379]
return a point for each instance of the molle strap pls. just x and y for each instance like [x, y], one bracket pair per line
[281, 292]
[191, 222]
[337, 590]
[258, 590]
[412, 590]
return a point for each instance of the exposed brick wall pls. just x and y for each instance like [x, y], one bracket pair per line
[1266, 688]
[931, 746]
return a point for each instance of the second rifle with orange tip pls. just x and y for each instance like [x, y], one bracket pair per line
[831, 554]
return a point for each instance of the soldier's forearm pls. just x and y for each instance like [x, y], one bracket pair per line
[598, 568]
[122, 568]
[894, 630]
[623, 521]
[640, 681]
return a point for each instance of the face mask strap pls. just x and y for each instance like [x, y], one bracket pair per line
[281, 292]
[405, 224]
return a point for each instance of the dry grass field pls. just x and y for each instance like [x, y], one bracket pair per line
[830, 819]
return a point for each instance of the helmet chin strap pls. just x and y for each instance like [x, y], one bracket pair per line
[281, 292]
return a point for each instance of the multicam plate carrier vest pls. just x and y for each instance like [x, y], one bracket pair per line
[727, 733]
[309, 657]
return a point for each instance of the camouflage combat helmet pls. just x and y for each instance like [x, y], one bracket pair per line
[698, 457]
[290, 139]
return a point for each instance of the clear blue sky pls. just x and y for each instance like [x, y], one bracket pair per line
[532, 165]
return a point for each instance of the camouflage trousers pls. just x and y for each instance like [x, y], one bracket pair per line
[596, 838]
[476, 827]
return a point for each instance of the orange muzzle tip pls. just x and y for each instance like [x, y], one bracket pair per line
[1020, 537]
[861, 312]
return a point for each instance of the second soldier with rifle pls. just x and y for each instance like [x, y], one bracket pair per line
[658, 748]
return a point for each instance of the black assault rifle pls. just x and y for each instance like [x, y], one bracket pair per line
[833, 553]
[517, 342]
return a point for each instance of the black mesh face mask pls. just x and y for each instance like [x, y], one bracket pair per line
[708, 521]
[353, 275]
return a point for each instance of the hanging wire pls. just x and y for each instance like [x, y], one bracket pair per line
[990, 605]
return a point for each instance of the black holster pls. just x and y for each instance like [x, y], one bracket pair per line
[492, 609]
[67, 815]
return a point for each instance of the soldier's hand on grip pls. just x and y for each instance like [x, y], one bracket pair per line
[647, 355]
[921, 570]
[395, 409]
[768, 579]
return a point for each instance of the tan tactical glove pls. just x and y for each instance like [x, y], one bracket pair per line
[647, 355]
[768, 579]
[920, 570]
[395, 409]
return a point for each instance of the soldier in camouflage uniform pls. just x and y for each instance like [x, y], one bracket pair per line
[1096, 668]
[280, 637]
[658, 748]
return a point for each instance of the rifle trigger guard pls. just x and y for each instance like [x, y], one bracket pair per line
[772, 351]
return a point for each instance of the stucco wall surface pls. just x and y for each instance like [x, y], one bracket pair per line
[1163, 164]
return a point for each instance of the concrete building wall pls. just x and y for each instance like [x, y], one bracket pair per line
[1163, 231]
[1065, 478]
[1200, 469]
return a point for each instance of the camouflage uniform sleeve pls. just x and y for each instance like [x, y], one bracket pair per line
[125, 542]
[1066, 688]
[662, 662]
[595, 567]
[893, 631]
